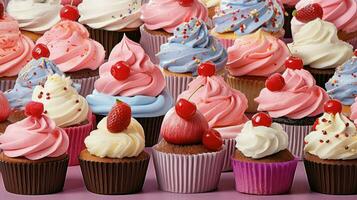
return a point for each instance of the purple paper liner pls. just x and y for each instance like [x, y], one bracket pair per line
[188, 173]
[177, 84]
[264, 178]
[231, 146]
[87, 85]
[7, 84]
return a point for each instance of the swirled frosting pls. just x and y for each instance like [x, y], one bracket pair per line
[261, 141]
[61, 101]
[155, 17]
[34, 138]
[110, 15]
[246, 16]
[5, 107]
[143, 90]
[211, 3]
[128, 143]
[342, 13]
[222, 106]
[33, 74]
[257, 54]
[190, 46]
[335, 138]
[342, 85]
[319, 47]
[15, 48]
[35, 16]
[299, 98]
[71, 48]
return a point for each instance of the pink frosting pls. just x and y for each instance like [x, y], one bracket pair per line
[71, 2]
[34, 138]
[71, 48]
[222, 106]
[168, 14]
[15, 48]
[145, 78]
[4, 107]
[300, 97]
[354, 111]
[289, 2]
[258, 54]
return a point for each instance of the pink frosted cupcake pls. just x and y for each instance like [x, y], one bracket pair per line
[295, 101]
[68, 109]
[222, 106]
[262, 165]
[159, 24]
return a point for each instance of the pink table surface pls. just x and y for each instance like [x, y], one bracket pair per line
[74, 189]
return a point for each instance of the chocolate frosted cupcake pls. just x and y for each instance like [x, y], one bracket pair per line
[331, 153]
[4, 112]
[34, 159]
[115, 161]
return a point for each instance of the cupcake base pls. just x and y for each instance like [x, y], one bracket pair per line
[231, 146]
[86, 79]
[322, 76]
[7, 83]
[33, 36]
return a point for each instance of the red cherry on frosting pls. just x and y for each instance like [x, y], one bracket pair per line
[333, 106]
[40, 51]
[315, 124]
[294, 62]
[185, 3]
[120, 70]
[212, 140]
[275, 82]
[69, 12]
[2, 10]
[34, 109]
[207, 69]
[262, 119]
[355, 52]
[185, 109]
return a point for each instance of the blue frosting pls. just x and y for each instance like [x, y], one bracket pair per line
[190, 46]
[246, 16]
[343, 84]
[141, 106]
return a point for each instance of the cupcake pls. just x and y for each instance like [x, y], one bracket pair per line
[289, 7]
[212, 6]
[294, 101]
[190, 157]
[190, 46]
[68, 110]
[15, 50]
[131, 77]
[74, 52]
[71, 2]
[330, 153]
[159, 24]
[114, 161]
[252, 59]
[35, 17]
[353, 111]
[262, 164]
[320, 49]
[342, 85]
[241, 17]
[222, 106]
[33, 160]
[109, 20]
[4, 112]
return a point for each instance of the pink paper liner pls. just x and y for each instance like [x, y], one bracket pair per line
[226, 42]
[87, 85]
[177, 84]
[76, 137]
[188, 173]
[264, 178]
[231, 146]
[7, 84]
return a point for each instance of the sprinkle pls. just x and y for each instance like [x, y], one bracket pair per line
[324, 120]
[324, 132]
[346, 134]
[45, 112]
[337, 135]
[65, 88]
[77, 101]
[347, 124]
[48, 98]
[321, 141]
[327, 141]
[346, 147]
[79, 110]
[48, 94]
[39, 96]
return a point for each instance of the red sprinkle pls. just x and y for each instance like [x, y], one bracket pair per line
[321, 141]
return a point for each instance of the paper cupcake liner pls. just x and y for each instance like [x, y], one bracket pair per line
[226, 43]
[250, 87]
[151, 43]
[263, 178]
[7, 84]
[152, 127]
[114, 178]
[353, 42]
[35, 178]
[322, 76]
[188, 173]
[231, 146]
[177, 84]
[76, 137]
[87, 85]
[337, 179]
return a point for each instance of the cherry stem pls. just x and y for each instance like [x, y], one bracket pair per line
[195, 92]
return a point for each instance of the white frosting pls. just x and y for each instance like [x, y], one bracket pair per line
[319, 47]
[64, 105]
[110, 15]
[128, 143]
[35, 15]
[261, 141]
[335, 138]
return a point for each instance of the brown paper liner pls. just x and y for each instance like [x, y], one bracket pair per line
[33, 36]
[152, 126]
[321, 75]
[331, 177]
[287, 20]
[34, 177]
[115, 176]
[7, 83]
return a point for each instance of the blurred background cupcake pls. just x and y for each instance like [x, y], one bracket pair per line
[107, 21]
[131, 77]
[289, 7]
[240, 17]
[4, 112]
[159, 24]
[353, 111]
[252, 59]
[212, 6]
[189, 47]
